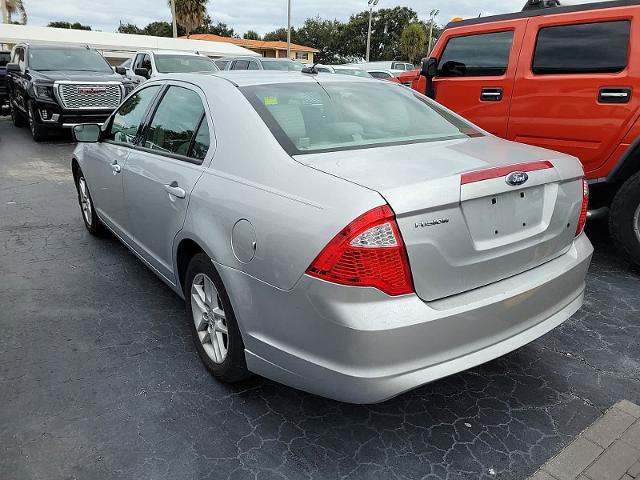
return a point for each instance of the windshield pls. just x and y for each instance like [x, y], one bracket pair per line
[184, 64]
[71, 59]
[286, 65]
[308, 117]
[355, 72]
[4, 58]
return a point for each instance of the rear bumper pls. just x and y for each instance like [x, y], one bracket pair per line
[361, 346]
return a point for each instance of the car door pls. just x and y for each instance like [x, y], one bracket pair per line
[103, 169]
[574, 85]
[476, 69]
[163, 170]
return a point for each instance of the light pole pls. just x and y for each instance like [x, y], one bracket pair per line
[5, 12]
[289, 29]
[173, 16]
[434, 13]
[372, 3]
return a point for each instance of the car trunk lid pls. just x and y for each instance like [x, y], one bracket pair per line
[463, 225]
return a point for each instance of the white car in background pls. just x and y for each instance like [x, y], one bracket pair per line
[152, 64]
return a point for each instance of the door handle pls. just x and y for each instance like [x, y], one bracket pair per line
[491, 94]
[116, 168]
[175, 190]
[614, 95]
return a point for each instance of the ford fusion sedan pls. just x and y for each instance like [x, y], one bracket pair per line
[336, 234]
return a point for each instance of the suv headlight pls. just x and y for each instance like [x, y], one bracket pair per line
[44, 91]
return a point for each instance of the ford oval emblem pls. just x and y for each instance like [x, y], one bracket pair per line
[517, 178]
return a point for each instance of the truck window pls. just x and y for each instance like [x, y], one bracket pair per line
[483, 55]
[584, 48]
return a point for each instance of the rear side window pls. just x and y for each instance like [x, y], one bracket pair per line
[584, 48]
[484, 55]
[175, 122]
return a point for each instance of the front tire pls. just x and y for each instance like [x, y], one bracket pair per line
[624, 219]
[38, 132]
[91, 221]
[213, 324]
[17, 118]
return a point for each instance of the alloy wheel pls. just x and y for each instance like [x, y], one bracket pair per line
[209, 318]
[85, 201]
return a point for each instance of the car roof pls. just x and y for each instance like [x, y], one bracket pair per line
[53, 46]
[544, 11]
[246, 78]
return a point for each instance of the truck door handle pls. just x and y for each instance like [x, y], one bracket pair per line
[491, 94]
[116, 168]
[175, 190]
[614, 95]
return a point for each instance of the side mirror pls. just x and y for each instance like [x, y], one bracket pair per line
[13, 67]
[429, 67]
[121, 70]
[87, 133]
[142, 72]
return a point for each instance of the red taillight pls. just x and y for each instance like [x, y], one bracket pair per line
[585, 206]
[369, 252]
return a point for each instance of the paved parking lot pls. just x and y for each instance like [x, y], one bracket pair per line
[99, 378]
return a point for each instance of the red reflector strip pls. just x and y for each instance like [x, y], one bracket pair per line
[481, 175]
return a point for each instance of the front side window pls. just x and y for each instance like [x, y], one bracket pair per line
[309, 118]
[482, 55]
[67, 59]
[184, 64]
[126, 121]
[175, 122]
[584, 48]
[146, 63]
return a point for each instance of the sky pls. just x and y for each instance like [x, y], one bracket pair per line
[260, 15]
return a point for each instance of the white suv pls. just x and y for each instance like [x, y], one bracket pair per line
[151, 64]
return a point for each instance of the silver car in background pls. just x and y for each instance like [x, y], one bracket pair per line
[336, 234]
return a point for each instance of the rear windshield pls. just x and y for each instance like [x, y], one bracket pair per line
[310, 118]
[4, 58]
[184, 64]
[72, 59]
[285, 65]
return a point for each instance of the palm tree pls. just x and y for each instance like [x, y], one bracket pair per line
[190, 13]
[16, 7]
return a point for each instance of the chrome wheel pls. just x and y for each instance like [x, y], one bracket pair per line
[85, 201]
[209, 318]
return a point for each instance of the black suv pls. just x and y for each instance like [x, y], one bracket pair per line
[4, 59]
[54, 87]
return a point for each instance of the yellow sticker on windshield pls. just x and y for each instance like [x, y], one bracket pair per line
[271, 100]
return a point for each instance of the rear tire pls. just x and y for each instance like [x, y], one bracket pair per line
[38, 132]
[624, 219]
[212, 321]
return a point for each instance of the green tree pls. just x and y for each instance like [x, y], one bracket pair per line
[279, 35]
[16, 7]
[129, 28]
[325, 35]
[413, 40]
[68, 25]
[161, 29]
[251, 35]
[220, 28]
[190, 13]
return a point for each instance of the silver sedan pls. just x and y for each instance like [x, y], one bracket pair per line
[340, 235]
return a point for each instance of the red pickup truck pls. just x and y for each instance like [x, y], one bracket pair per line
[564, 78]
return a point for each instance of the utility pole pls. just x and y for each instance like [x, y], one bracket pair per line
[173, 16]
[289, 29]
[5, 11]
[372, 3]
[432, 17]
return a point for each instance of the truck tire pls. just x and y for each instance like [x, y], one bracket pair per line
[624, 219]
[17, 118]
[38, 132]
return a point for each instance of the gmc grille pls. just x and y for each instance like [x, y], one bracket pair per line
[89, 96]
